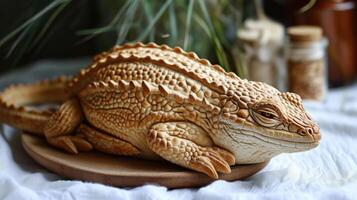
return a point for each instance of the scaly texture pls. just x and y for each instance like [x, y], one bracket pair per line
[155, 101]
[13, 99]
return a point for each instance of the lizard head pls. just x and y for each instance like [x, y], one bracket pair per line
[261, 123]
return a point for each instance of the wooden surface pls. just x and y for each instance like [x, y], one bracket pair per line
[122, 171]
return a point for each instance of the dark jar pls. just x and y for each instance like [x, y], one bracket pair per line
[338, 19]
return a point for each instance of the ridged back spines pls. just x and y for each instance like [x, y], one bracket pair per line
[212, 76]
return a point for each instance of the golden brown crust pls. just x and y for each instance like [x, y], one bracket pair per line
[188, 64]
[134, 96]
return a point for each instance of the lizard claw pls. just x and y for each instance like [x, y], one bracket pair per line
[212, 160]
[71, 144]
[226, 155]
[203, 164]
[81, 144]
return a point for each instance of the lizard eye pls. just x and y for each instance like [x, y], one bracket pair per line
[266, 117]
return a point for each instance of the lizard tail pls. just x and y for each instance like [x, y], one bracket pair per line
[13, 101]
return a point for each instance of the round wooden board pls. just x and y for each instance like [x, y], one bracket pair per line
[122, 171]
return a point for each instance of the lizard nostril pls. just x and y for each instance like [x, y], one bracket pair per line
[302, 132]
[314, 131]
[310, 131]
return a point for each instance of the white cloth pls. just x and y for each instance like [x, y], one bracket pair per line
[327, 172]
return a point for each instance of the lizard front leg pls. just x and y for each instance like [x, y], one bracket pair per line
[188, 145]
[62, 124]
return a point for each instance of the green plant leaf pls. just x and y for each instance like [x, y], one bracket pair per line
[154, 21]
[26, 41]
[167, 21]
[95, 31]
[173, 24]
[203, 25]
[238, 57]
[148, 11]
[48, 23]
[127, 22]
[307, 6]
[110, 26]
[209, 29]
[188, 24]
[203, 7]
[23, 26]
[18, 39]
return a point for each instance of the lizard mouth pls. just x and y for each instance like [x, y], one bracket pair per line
[249, 135]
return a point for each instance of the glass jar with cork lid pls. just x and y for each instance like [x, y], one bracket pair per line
[306, 63]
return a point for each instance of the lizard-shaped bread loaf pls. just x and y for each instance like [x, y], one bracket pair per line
[155, 102]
